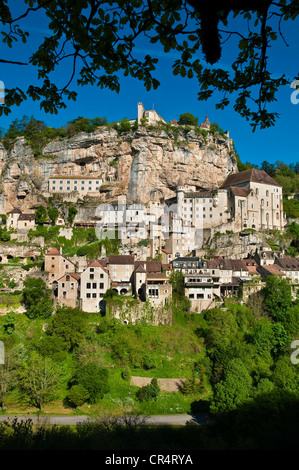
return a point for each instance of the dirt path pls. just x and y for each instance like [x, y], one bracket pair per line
[168, 385]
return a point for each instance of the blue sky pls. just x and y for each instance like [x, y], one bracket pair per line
[175, 96]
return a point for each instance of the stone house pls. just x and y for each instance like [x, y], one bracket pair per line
[151, 283]
[94, 283]
[67, 290]
[18, 220]
[121, 268]
[12, 219]
[57, 265]
[290, 266]
[26, 221]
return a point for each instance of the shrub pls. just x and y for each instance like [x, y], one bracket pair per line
[148, 392]
[126, 374]
[77, 396]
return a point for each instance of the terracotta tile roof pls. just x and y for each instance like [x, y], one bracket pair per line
[254, 175]
[75, 276]
[272, 269]
[166, 251]
[95, 264]
[53, 252]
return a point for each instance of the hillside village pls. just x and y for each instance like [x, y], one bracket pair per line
[158, 239]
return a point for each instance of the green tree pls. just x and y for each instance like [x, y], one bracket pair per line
[234, 390]
[40, 215]
[53, 214]
[37, 298]
[72, 214]
[277, 297]
[94, 379]
[198, 34]
[9, 324]
[39, 380]
[188, 119]
[70, 325]
[148, 392]
[77, 396]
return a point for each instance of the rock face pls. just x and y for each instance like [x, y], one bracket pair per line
[145, 165]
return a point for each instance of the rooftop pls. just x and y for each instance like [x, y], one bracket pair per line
[253, 175]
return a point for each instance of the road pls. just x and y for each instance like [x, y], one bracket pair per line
[201, 419]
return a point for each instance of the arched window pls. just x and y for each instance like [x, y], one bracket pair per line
[67, 278]
[256, 192]
[262, 202]
[267, 193]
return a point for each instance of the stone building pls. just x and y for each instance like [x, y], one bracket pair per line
[151, 282]
[94, 283]
[81, 185]
[151, 115]
[255, 200]
[67, 290]
[121, 268]
[57, 265]
[18, 220]
[248, 199]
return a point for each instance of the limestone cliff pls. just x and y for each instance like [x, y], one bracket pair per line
[145, 165]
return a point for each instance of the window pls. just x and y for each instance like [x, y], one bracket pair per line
[88, 285]
[199, 296]
[88, 295]
[191, 296]
[94, 285]
[101, 276]
[101, 285]
[62, 284]
[91, 276]
[91, 270]
[75, 188]
[94, 295]
[67, 278]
